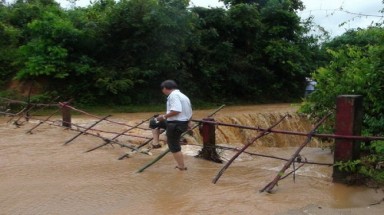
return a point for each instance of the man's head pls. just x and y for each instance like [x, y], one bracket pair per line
[168, 86]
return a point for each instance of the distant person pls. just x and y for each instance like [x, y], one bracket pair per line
[175, 121]
[311, 84]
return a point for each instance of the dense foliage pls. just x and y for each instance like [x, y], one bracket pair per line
[118, 52]
[356, 67]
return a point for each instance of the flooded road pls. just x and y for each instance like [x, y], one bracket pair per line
[41, 175]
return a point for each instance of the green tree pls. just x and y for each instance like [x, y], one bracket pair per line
[50, 53]
[226, 57]
[211, 51]
[119, 51]
[296, 4]
[253, 53]
[9, 40]
[355, 67]
[145, 42]
[287, 51]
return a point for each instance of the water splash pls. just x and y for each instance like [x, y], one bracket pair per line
[226, 135]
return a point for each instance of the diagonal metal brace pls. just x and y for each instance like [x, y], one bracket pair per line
[108, 141]
[82, 132]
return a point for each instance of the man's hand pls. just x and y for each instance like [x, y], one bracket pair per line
[161, 118]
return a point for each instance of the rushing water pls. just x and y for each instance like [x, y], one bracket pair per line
[40, 175]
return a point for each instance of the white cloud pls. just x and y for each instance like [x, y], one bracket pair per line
[207, 3]
[329, 14]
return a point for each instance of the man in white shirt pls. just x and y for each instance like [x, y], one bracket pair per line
[176, 119]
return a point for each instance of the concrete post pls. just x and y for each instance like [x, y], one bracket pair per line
[349, 115]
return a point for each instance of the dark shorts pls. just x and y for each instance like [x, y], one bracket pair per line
[174, 131]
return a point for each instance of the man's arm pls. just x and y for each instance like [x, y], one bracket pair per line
[166, 116]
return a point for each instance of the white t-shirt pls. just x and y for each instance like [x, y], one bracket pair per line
[179, 102]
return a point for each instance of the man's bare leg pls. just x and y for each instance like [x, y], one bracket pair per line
[180, 160]
[156, 137]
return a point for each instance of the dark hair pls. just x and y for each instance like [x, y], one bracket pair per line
[169, 84]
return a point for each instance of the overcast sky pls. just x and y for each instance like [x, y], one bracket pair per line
[329, 14]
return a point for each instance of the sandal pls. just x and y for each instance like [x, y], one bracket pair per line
[181, 169]
[156, 146]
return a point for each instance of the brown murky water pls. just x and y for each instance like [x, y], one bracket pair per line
[40, 175]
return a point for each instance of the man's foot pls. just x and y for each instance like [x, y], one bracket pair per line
[181, 169]
[156, 146]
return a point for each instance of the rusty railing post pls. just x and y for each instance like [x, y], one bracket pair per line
[208, 152]
[66, 115]
[349, 115]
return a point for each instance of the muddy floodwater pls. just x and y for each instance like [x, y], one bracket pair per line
[39, 174]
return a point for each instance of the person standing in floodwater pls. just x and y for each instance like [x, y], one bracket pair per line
[175, 121]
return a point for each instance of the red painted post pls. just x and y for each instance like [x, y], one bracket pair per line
[66, 115]
[349, 115]
[207, 131]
